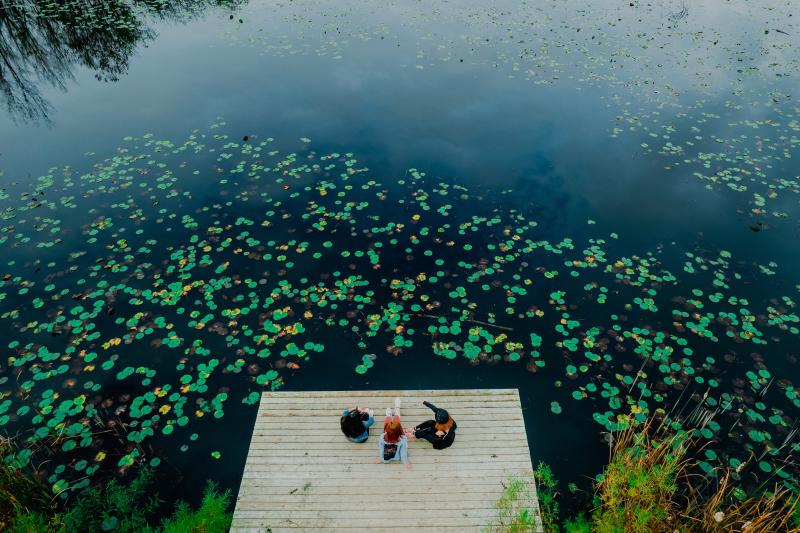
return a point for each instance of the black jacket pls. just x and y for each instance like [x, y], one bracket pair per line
[427, 431]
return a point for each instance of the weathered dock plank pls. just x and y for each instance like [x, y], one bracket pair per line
[302, 474]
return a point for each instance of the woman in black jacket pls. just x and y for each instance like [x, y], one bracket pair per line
[440, 432]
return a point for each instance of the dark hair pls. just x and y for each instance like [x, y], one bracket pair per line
[353, 424]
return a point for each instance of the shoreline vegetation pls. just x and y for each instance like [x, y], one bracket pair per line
[28, 506]
[651, 484]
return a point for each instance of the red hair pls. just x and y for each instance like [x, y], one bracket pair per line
[393, 430]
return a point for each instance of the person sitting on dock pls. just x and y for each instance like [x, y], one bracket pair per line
[356, 423]
[393, 444]
[440, 432]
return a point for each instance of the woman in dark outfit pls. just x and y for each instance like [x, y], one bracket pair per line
[355, 424]
[440, 432]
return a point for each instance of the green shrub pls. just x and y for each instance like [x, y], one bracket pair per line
[117, 507]
[579, 524]
[121, 508]
[547, 491]
[26, 506]
[211, 517]
[638, 487]
[647, 487]
[21, 490]
[29, 522]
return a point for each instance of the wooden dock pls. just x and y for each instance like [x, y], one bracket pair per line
[301, 473]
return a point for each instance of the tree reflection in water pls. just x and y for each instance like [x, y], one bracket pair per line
[42, 42]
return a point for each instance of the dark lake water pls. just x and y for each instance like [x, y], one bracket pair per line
[596, 204]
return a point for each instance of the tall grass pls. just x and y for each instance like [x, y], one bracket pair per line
[639, 486]
[648, 487]
[772, 511]
[516, 508]
[21, 490]
[211, 517]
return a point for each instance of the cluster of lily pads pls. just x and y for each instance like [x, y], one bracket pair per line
[166, 285]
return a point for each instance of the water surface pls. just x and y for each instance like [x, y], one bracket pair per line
[613, 139]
